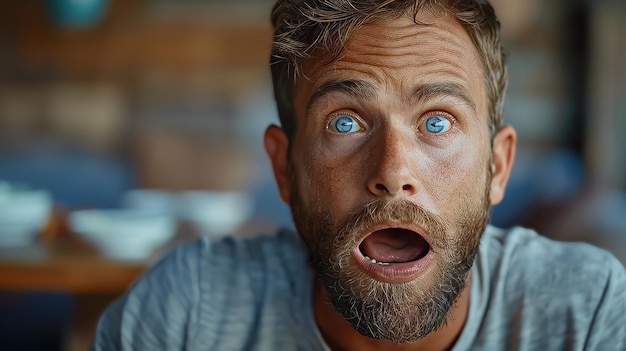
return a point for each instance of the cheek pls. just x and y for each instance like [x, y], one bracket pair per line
[459, 178]
[329, 181]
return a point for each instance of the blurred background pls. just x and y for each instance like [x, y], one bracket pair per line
[127, 116]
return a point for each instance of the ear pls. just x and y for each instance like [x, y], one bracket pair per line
[277, 146]
[503, 155]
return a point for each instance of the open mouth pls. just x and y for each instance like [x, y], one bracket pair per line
[394, 245]
[394, 254]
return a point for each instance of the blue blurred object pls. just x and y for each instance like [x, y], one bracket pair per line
[76, 178]
[267, 202]
[555, 175]
[77, 13]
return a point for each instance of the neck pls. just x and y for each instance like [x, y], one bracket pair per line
[340, 336]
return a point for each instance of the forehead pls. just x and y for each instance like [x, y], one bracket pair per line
[400, 54]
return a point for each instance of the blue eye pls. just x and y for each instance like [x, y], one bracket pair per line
[344, 124]
[438, 124]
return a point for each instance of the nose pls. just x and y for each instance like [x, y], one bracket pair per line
[393, 171]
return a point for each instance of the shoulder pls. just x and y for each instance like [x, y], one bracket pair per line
[161, 294]
[199, 289]
[227, 266]
[285, 245]
[534, 257]
[554, 292]
[208, 261]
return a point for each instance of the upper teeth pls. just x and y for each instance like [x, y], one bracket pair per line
[376, 262]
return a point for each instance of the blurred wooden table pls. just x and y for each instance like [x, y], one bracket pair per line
[66, 264]
[60, 261]
[65, 267]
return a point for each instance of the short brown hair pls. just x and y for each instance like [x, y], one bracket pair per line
[302, 27]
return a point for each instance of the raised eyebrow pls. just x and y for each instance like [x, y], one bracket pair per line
[356, 88]
[431, 91]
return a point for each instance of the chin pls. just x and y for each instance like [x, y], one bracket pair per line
[393, 271]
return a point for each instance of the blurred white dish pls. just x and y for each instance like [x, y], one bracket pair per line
[123, 233]
[215, 213]
[23, 215]
[152, 200]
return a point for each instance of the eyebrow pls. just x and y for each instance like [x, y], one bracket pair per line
[360, 89]
[431, 91]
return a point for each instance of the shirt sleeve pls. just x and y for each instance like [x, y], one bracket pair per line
[608, 329]
[156, 312]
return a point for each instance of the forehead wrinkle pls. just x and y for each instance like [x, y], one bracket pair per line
[410, 35]
[384, 49]
[371, 50]
[383, 54]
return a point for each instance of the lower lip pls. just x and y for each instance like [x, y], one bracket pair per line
[395, 272]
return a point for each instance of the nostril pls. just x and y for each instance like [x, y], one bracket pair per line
[382, 188]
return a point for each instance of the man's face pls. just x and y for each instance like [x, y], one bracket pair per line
[390, 172]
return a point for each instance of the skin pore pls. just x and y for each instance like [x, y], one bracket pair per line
[400, 116]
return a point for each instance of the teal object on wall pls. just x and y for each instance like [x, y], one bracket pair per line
[77, 13]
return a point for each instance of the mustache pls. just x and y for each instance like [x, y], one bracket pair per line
[383, 211]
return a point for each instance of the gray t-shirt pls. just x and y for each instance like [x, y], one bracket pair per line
[528, 293]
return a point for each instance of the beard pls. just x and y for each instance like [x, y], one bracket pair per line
[398, 312]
